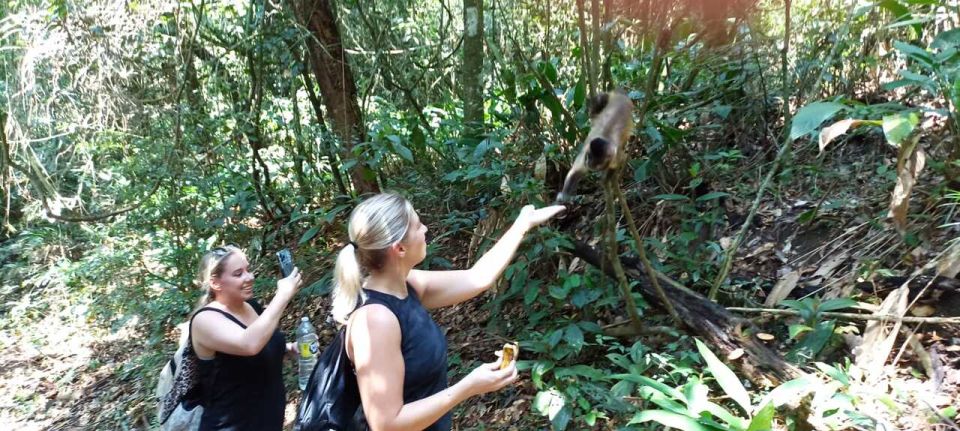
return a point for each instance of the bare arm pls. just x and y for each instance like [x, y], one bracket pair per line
[213, 331]
[443, 288]
[375, 337]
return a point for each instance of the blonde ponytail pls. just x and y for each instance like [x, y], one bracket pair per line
[375, 225]
[347, 279]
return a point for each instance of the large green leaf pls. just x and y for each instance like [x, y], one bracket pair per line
[662, 401]
[574, 336]
[811, 116]
[947, 39]
[308, 235]
[735, 422]
[914, 52]
[670, 419]
[553, 405]
[646, 381]
[727, 380]
[901, 14]
[834, 373]
[763, 421]
[791, 391]
[897, 127]
[813, 343]
[696, 396]
[836, 304]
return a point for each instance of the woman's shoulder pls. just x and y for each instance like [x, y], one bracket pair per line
[216, 314]
[374, 316]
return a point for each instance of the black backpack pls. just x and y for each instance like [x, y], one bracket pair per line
[331, 400]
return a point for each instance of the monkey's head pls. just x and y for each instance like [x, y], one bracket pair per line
[600, 153]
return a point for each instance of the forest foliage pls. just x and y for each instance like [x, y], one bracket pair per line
[138, 134]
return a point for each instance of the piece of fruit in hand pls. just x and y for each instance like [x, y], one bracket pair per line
[510, 351]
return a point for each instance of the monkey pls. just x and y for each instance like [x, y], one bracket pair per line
[611, 123]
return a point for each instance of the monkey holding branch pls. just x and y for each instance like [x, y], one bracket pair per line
[611, 123]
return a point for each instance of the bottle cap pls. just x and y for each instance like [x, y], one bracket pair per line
[304, 319]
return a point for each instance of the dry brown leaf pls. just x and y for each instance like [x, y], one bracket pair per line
[832, 263]
[923, 310]
[948, 265]
[878, 338]
[834, 130]
[765, 336]
[767, 246]
[782, 289]
[726, 242]
[909, 164]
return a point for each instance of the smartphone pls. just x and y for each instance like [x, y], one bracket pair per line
[510, 351]
[286, 262]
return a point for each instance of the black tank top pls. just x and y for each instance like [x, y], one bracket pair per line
[244, 392]
[424, 349]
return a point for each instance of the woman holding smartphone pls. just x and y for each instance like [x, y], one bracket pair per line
[239, 345]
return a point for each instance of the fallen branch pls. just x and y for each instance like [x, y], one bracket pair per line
[853, 316]
[722, 330]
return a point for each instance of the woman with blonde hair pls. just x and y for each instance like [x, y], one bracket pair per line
[398, 351]
[239, 345]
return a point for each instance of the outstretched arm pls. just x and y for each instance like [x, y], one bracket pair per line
[443, 288]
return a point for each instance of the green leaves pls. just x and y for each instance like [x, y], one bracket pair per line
[914, 52]
[552, 404]
[947, 39]
[308, 235]
[727, 380]
[811, 116]
[574, 336]
[397, 145]
[897, 127]
[669, 419]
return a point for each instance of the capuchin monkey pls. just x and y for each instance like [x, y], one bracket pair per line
[611, 122]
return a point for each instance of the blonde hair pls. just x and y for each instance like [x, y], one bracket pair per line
[375, 224]
[212, 265]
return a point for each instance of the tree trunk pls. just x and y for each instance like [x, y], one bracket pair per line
[472, 72]
[723, 330]
[337, 87]
[585, 58]
[329, 150]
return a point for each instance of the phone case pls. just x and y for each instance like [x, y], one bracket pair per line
[286, 262]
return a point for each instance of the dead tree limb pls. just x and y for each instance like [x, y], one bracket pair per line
[721, 329]
[854, 316]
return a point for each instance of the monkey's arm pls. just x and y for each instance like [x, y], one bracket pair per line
[576, 171]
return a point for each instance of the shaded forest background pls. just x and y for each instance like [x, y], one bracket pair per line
[792, 161]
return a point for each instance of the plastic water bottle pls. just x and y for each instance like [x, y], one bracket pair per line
[308, 346]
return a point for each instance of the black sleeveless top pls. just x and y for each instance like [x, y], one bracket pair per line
[244, 392]
[424, 349]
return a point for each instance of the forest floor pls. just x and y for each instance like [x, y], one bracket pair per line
[58, 371]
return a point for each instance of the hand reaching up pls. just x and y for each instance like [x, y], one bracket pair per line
[531, 217]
